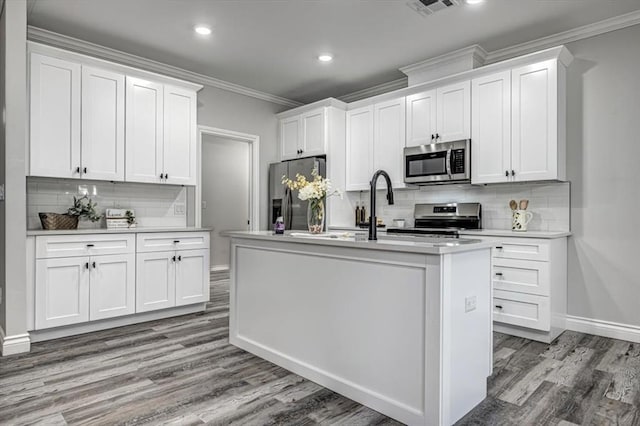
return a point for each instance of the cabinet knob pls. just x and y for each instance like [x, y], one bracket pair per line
[513, 173]
[433, 136]
[179, 258]
[84, 170]
[506, 173]
[173, 258]
[86, 265]
[499, 306]
[166, 176]
[437, 136]
[94, 265]
[78, 169]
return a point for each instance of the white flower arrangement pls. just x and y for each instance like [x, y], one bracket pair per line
[316, 189]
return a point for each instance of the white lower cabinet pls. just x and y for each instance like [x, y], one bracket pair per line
[529, 286]
[155, 281]
[71, 290]
[172, 270]
[62, 292]
[81, 278]
[112, 284]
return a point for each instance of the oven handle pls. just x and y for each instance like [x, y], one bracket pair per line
[448, 162]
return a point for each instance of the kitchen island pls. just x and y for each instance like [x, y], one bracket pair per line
[403, 327]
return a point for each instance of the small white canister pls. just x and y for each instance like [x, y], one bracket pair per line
[520, 220]
[398, 223]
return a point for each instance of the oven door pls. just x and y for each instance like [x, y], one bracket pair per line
[437, 163]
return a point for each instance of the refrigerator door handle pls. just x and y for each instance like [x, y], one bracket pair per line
[289, 209]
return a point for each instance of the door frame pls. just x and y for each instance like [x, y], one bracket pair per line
[254, 171]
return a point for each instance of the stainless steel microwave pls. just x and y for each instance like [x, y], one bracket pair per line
[438, 163]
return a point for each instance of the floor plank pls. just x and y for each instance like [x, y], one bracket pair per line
[182, 371]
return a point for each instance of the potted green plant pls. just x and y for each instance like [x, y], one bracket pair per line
[84, 208]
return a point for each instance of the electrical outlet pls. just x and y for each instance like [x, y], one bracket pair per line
[178, 209]
[470, 303]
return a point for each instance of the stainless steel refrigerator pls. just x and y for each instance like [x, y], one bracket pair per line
[285, 202]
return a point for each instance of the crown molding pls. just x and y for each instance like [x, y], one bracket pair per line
[579, 33]
[84, 47]
[476, 52]
[390, 86]
[328, 102]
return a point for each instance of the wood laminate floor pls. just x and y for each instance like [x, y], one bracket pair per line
[182, 371]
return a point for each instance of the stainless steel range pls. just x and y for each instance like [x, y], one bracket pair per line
[442, 220]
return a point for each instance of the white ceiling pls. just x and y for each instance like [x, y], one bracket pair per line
[272, 45]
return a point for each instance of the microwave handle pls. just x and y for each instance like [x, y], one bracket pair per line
[448, 162]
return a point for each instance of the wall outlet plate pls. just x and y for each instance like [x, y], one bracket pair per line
[470, 303]
[179, 209]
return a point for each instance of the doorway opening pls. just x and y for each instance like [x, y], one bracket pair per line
[227, 192]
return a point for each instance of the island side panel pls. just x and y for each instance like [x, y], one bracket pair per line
[466, 330]
[352, 320]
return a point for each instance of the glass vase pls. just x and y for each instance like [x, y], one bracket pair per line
[315, 216]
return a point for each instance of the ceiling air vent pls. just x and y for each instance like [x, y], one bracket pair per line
[429, 7]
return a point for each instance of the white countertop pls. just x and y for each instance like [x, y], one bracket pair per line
[422, 245]
[477, 233]
[138, 230]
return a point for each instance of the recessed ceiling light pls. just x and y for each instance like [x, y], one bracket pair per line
[325, 58]
[474, 1]
[202, 30]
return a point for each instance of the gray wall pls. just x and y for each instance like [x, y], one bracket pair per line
[232, 111]
[225, 189]
[603, 156]
[13, 33]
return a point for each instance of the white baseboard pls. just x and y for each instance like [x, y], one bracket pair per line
[217, 268]
[609, 329]
[11, 345]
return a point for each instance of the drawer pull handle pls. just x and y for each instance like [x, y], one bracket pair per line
[498, 274]
[176, 241]
[89, 245]
[499, 306]
[499, 247]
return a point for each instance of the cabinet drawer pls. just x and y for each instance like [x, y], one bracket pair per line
[167, 241]
[523, 276]
[525, 310]
[522, 248]
[50, 246]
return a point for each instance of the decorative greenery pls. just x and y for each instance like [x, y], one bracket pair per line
[131, 219]
[84, 208]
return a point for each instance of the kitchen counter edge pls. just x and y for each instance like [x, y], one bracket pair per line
[386, 244]
[87, 231]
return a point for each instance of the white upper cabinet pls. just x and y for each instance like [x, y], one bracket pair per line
[304, 135]
[389, 140]
[102, 124]
[144, 131]
[87, 120]
[54, 117]
[491, 129]
[439, 115]
[290, 136]
[421, 118]
[534, 136]
[518, 124]
[359, 152]
[453, 112]
[179, 147]
[314, 136]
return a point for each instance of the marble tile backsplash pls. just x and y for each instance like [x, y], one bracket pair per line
[154, 205]
[549, 203]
